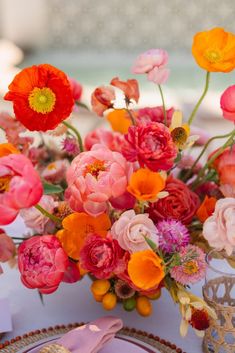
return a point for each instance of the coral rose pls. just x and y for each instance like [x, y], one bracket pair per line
[151, 145]
[145, 269]
[131, 229]
[181, 203]
[94, 177]
[227, 103]
[154, 114]
[110, 139]
[42, 263]
[214, 50]
[206, 208]
[7, 247]
[20, 186]
[102, 99]
[219, 229]
[130, 88]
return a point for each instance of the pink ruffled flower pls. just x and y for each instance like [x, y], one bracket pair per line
[101, 256]
[55, 171]
[227, 103]
[42, 263]
[154, 114]
[7, 247]
[130, 88]
[35, 220]
[151, 145]
[110, 139]
[20, 186]
[219, 229]
[102, 99]
[131, 229]
[94, 177]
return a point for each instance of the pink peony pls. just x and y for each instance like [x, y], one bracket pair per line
[130, 88]
[181, 203]
[219, 229]
[102, 99]
[151, 145]
[110, 139]
[101, 256]
[227, 103]
[94, 177]
[42, 263]
[20, 186]
[131, 229]
[154, 114]
[55, 171]
[7, 247]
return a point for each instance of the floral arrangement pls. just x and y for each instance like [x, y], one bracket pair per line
[127, 207]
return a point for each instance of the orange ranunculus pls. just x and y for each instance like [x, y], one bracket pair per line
[76, 228]
[145, 184]
[214, 50]
[6, 149]
[41, 96]
[206, 209]
[145, 269]
[130, 88]
[119, 120]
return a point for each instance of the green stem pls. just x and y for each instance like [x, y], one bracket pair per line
[163, 104]
[69, 126]
[131, 116]
[47, 214]
[82, 105]
[190, 120]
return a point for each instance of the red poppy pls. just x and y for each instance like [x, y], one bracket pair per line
[41, 97]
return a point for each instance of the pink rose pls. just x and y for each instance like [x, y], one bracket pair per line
[131, 229]
[20, 186]
[151, 145]
[130, 88]
[42, 263]
[102, 99]
[7, 247]
[154, 114]
[101, 256]
[227, 103]
[181, 203]
[94, 177]
[219, 229]
[110, 139]
[55, 171]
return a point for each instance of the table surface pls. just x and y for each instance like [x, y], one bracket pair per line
[74, 303]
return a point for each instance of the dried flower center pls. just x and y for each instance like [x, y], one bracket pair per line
[190, 267]
[42, 100]
[179, 135]
[5, 184]
[199, 319]
[95, 168]
[213, 55]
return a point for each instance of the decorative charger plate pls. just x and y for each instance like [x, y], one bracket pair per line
[127, 340]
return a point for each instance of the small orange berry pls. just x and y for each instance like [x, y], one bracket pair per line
[144, 306]
[98, 298]
[100, 286]
[109, 301]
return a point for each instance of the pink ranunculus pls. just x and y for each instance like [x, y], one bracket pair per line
[102, 99]
[7, 247]
[94, 177]
[110, 139]
[20, 186]
[154, 114]
[181, 203]
[35, 220]
[227, 103]
[101, 256]
[130, 88]
[151, 145]
[55, 171]
[76, 88]
[219, 229]
[131, 229]
[42, 263]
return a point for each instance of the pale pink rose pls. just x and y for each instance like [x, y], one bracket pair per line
[227, 103]
[7, 247]
[219, 229]
[102, 99]
[21, 186]
[131, 229]
[35, 220]
[42, 263]
[55, 171]
[94, 177]
[110, 139]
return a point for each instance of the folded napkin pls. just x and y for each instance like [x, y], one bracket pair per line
[89, 338]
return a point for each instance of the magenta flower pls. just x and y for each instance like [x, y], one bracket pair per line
[227, 103]
[173, 235]
[154, 114]
[70, 145]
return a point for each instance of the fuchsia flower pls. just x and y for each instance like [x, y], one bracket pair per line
[7, 247]
[173, 235]
[42, 263]
[102, 99]
[55, 171]
[130, 88]
[70, 145]
[94, 177]
[154, 114]
[110, 139]
[151, 145]
[20, 186]
[227, 103]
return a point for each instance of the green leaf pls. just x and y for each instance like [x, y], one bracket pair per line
[52, 189]
[151, 243]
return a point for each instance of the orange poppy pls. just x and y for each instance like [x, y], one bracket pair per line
[119, 120]
[206, 209]
[76, 228]
[145, 184]
[214, 50]
[145, 269]
[7, 148]
[41, 96]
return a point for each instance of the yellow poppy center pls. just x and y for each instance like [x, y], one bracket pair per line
[94, 168]
[190, 267]
[42, 100]
[4, 184]
[179, 136]
[213, 55]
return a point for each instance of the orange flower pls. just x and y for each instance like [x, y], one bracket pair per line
[119, 120]
[7, 148]
[214, 50]
[206, 209]
[145, 269]
[130, 88]
[76, 228]
[146, 185]
[41, 96]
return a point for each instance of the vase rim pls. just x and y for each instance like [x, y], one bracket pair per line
[223, 273]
